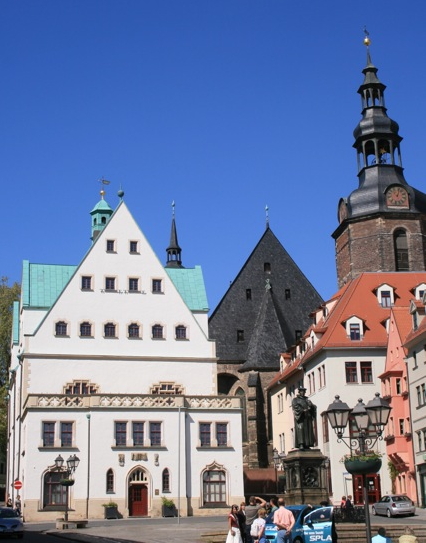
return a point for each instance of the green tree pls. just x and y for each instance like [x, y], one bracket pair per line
[8, 294]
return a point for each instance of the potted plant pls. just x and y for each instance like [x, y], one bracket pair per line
[362, 464]
[66, 482]
[110, 510]
[168, 508]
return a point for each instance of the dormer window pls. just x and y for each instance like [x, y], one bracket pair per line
[355, 331]
[419, 292]
[385, 298]
[385, 295]
[354, 328]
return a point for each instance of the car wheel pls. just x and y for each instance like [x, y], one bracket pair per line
[373, 510]
[388, 513]
[298, 540]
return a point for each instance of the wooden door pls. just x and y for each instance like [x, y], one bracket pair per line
[373, 488]
[138, 501]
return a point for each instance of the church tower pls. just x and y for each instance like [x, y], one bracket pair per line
[382, 222]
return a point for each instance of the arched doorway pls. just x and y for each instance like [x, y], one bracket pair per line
[138, 493]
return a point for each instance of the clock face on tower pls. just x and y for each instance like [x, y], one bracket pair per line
[397, 197]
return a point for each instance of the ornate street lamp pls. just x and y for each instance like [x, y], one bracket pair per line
[375, 413]
[72, 464]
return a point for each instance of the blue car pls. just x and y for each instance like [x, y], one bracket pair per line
[312, 525]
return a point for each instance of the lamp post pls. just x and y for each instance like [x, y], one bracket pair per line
[72, 465]
[375, 413]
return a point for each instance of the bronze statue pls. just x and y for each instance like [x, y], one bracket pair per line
[304, 412]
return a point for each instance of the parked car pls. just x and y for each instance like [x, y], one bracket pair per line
[394, 504]
[312, 525]
[11, 523]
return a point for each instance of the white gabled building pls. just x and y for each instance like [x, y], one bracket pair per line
[111, 361]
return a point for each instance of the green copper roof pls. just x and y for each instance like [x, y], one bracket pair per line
[190, 284]
[42, 283]
[102, 205]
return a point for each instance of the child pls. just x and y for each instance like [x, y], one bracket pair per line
[258, 526]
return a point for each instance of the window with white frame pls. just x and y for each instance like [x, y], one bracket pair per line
[120, 433]
[133, 284]
[157, 286]
[385, 295]
[110, 283]
[86, 282]
[366, 372]
[214, 488]
[66, 429]
[351, 372]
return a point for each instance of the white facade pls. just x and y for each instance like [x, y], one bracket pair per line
[120, 371]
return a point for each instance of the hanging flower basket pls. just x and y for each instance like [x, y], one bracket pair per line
[363, 465]
[67, 482]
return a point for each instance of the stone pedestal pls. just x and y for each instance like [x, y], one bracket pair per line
[306, 477]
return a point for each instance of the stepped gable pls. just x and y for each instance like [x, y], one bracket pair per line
[284, 311]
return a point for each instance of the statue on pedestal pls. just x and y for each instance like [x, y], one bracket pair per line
[304, 412]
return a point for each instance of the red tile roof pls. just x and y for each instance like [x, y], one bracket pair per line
[359, 298]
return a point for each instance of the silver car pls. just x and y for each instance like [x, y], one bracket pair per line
[394, 504]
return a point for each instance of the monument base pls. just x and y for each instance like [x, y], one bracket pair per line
[306, 477]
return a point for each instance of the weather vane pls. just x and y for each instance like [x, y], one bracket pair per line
[267, 216]
[103, 182]
[367, 40]
[173, 208]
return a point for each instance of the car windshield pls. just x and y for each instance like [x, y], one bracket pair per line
[400, 499]
[8, 513]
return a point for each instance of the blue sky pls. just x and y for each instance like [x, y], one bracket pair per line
[223, 106]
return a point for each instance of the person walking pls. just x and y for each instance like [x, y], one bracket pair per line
[255, 503]
[234, 534]
[284, 521]
[18, 504]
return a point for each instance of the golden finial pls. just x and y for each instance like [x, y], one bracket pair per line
[367, 40]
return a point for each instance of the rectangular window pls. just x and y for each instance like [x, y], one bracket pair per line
[325, 434]
[66, 434]
[205, 436]
[287, 294]
[398, 385]
[109, 283]
[248, 293]
[423, 394]
[366, 372]
[110, 246]
[222, 434]
[401, 427]
[155, 433]
[351, 372]
[48, 434]
[385, 299]
[157, 285]
[137, 433]
[133, 247]
[415, 360]
[86, 282]
[354, 332]
[240, 335]
[133, 284]
[121, 433]
[419, 396]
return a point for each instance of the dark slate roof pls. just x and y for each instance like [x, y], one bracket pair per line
[271, 317]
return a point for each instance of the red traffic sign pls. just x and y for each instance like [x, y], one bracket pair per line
[17, 485]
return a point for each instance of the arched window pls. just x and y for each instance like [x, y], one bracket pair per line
[109, 329]
[85, 329]
[110, 481]
[180, 331]
[134, 330]
[61, 328]
[401, 250]
[214, 488]
[157, 331]
[166, 480]
[54, 494]
[241, 394]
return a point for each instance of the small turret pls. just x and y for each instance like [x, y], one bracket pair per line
[100, 216]
[174, 259]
